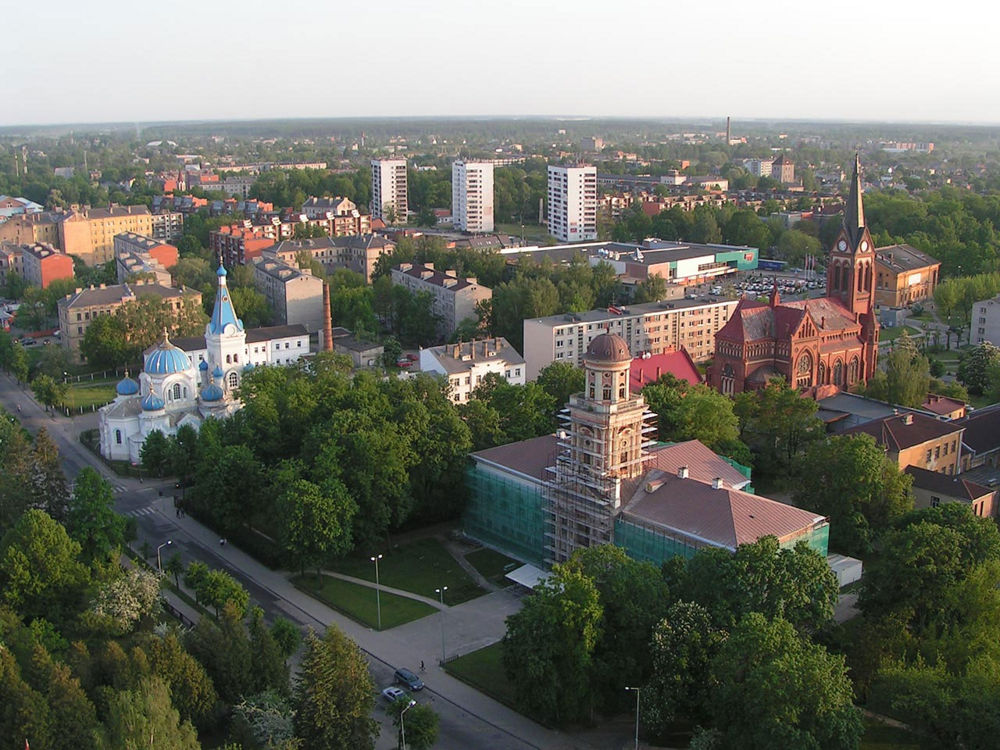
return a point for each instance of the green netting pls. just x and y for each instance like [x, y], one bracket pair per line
[505, 513]
[647, 545]
[817, 539]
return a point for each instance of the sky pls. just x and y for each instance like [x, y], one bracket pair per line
[115, 61]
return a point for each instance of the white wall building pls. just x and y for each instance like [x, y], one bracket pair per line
[985, 324]
[389, 189]
[472, 196]
[573, 203]
[190, 380]
[466, 364]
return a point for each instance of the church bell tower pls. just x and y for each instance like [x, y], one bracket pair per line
[851, 268]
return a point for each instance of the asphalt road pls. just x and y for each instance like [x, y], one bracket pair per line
[458, 728]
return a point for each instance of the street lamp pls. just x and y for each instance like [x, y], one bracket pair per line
[165, 544]
[378, 596]
[636, 715]
[402, 726]
[440, 593]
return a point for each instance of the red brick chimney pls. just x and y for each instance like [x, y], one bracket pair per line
[327, 320]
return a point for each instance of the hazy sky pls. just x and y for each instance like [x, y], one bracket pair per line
[111, 60]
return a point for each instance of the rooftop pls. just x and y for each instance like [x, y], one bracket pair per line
[455, 358]
[529, 457]
[982, 429]
[115, 293]
[902, 431]
[647, 308]
[902, 258]
[429, 275]
[951, 486]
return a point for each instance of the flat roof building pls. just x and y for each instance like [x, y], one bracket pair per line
[389, 196]
[465, 364]
[572, 203]
[472, 196]
[296, 296]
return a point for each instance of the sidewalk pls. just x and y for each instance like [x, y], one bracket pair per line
[402, 646]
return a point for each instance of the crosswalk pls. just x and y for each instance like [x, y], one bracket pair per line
[136, 512]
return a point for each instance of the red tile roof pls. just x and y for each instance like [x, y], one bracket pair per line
[646, 370]
[902, 431]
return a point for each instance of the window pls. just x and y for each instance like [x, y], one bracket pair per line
[176, 391]
[118, 437]
[234, 380]
[229, 359]
[928, 455]
[286, 344]
[937, 451]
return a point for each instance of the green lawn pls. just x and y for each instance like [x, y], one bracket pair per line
[419, 567]
[878, 736]
[491, 564]
[532, 232]
[483, 670]
[358, 602]
[891, 334]
[87, 394]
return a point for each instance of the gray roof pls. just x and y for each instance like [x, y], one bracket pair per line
[115, 293]
[267, 333]
[602, 314]
[902, 258]
[456, 358]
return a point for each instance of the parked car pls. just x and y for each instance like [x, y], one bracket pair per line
[393, 694]
[409, 679]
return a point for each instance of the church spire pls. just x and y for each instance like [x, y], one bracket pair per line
[854, 211]
[223, 313]
[775, 296]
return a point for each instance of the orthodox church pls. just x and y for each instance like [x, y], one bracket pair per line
[813, 344]
[189, 380]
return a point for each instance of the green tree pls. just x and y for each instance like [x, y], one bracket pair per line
[92, 520]
[549, 645]
[561, 380]
[104, 343]
[907, 374]
[651, 289]
[421, 724]
[975, 367]
[145, 717]
[694, 412]
[48, 391]
[25, 712]
[526, 411]
[774, 689]
[334, 696]
[777, 423]
[16, 472]
[269, 670]
[155, 453]
[253, 307]
[849, 479]
[48, 483]
[175, 566]
[223, 648]
[18, 364]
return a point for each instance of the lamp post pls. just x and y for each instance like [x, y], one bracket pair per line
[636, 715]
[165, 544]
[378, 595]
[402, 726]
[440, 593]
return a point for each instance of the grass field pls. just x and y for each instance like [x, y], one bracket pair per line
[87, 394]
[491, 564]
[358, 602]
[537, 233]
[418, 567]
[483, 670]
[891, 334]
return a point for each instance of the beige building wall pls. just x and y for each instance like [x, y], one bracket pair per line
[941, 455]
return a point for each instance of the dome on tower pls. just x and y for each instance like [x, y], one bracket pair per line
[203, 365]
[608, 347]
[212, 392]
[166, 359]
[152, 402]
[217, 372]
[127, 387]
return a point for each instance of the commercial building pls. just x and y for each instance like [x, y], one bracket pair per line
[675, 262]
[572, 203]
[89, 233]
[783, 170]
[985, 325]
[914, 439]
[652, 327]
[472, 196]
[389, 201]
[296, 296]
[454, 299]
[904, 275]
[78, 310]
[465, 364]
[136, 254]
[43, 264]
[602, 480]
[812, 343]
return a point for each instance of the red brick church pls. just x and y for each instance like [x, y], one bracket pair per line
[829, 341]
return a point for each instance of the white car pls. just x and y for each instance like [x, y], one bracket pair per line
[393, 694]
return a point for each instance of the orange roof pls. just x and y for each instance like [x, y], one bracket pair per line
[649, 369]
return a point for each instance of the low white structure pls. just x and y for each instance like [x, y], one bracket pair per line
[466, 364]
[188, 383]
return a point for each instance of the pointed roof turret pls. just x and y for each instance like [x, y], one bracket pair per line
[854, 211]
[223, 313]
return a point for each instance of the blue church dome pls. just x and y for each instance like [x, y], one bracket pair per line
[166, 359]
[212, 392]
[217, 372]
[203, 365]
[152, 402]
[127, 387]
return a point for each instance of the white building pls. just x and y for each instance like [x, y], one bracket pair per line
[190, 380]
[466, 364]
[985, 324]
[573, 203]
[389, 189]
[653, 327]
[472, 196]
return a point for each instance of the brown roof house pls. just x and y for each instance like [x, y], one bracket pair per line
[602, 480]
[931, 488]
[917, 440]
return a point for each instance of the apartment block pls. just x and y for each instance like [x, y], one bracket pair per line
[358, 253]
[43, 264]
[985, 326]
[11, 261]
[465, 365]
[136, 254]
[389, 190]
[654, 328]
[238, 244]
[168, 226]
[472, 196]
[318, 208]
[27, 229]
[89, 233]
[454, 299]
[296, 296]
[78, 310]
[572, 194]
